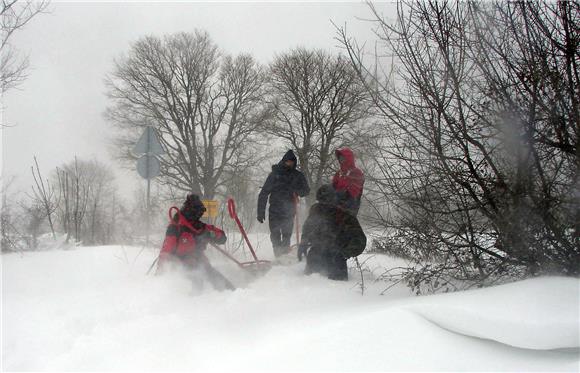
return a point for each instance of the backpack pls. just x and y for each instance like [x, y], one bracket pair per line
[351, 239]
[186, 241]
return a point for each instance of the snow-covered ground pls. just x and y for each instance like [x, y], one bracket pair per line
[93, 308]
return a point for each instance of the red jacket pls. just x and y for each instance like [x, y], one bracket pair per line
[349, 180]
[187, 240]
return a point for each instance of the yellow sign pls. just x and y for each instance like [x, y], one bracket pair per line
[211, 206]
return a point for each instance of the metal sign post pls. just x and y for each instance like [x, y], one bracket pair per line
[148, 165]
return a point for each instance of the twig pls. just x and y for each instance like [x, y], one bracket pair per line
[362, 279]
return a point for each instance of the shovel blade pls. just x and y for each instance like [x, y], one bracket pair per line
[257, 268]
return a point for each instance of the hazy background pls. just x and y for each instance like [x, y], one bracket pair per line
[57, 112]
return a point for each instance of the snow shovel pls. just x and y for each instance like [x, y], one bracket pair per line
[296, 222]
[256, 266]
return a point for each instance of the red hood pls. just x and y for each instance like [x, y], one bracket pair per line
[348, 161]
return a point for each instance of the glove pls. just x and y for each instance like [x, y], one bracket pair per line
[209, 235]
[302, 250]
[260, 219]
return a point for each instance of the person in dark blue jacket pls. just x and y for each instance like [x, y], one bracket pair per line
[282, 185]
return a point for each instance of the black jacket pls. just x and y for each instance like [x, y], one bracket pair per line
[280, 187]
[329, 227]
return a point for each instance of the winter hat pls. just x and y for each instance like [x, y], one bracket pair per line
[326, 194]
[193, 208]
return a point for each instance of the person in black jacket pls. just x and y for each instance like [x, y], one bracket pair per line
[330, 235]
[281, 186]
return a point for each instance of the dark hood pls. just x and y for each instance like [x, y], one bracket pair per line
[326, 194]
[192, 208]
[289, 156]
[348, 155]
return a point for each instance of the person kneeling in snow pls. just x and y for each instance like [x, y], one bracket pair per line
[186, 240]
[330, 236]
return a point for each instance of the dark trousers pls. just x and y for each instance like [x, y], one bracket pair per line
[327, 262]
[201, 270]
[281, 233]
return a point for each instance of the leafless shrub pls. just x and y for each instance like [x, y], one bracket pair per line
[478, 157]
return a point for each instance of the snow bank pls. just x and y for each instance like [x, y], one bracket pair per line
[94, 309]
[541, 313]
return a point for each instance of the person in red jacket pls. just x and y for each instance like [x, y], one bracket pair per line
[348, 181]
[186, 240]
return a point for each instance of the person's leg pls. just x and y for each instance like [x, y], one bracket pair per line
[194, 273]
[336, 264]
[286, 228]
[218, 281]
[275, 233]
[201, 270]
[315, 261]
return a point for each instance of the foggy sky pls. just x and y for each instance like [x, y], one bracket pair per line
[57, 112]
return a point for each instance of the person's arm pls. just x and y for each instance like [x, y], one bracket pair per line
[356, 180]
[307, 230]
[312, 224]
[215, 235]
[263, 198]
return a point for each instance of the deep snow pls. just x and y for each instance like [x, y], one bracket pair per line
[93, 308]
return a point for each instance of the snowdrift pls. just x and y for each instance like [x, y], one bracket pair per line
[537, 314]
[94, 309]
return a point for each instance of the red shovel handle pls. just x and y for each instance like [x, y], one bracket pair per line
[232, 208]
[297, 218]
[170, 214]
[233, 215]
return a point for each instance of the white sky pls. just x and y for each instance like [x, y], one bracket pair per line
[57, 112]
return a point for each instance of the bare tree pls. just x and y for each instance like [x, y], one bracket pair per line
[8, 233]
[64, 208]
[21, 221]
[35, 215]
[44, 195]
[80, 193]
[478, 156]
[74, 195]
[14, 15]
[87, 200]
[205, 106]
[316, 96]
